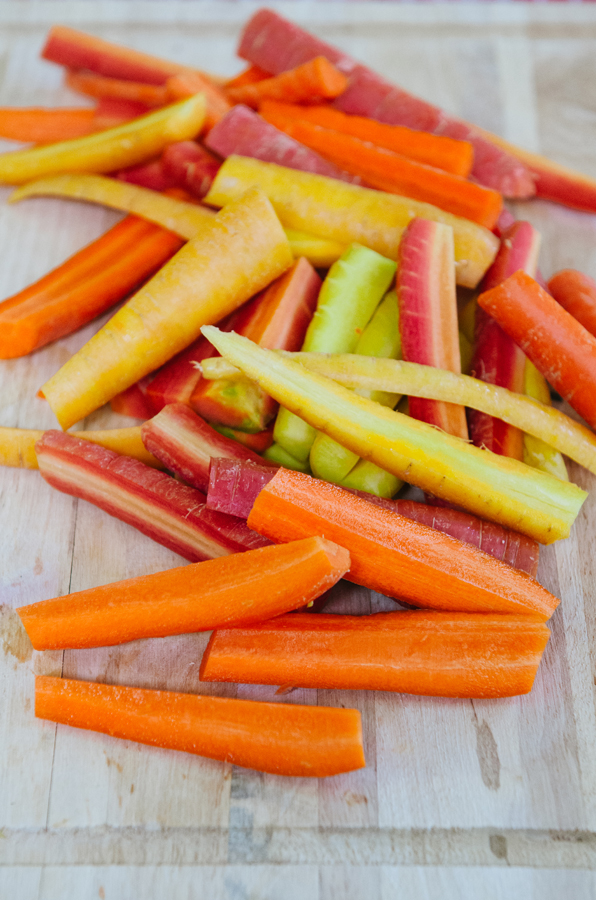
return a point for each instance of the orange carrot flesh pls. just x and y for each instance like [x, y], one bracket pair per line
[99, 86]
[576, 293]
[281, 738]
[311, 82]
[562, 349]
[83, 287]
[189, 83]
[384, 170]
[251, 75]
[395, 555]
[234, 590]
[45, 126]
[429, 653]
[436, 150]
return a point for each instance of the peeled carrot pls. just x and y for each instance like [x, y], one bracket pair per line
[395, 555]
[99, 86]
[576, 293]
[186, 84]
[431, 653]
[281, 738]
[562, 349]
[435, 150]
[389, 171]
[311, 82]
[44, 126]
[113, 111]
[251, 75]
[83, 287]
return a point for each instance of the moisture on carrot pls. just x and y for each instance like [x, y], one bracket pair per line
[312, 82]
[280, 738]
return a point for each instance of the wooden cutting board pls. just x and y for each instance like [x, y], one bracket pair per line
[455, 793]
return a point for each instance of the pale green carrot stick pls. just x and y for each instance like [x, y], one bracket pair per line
[276, 453]
[368, 477]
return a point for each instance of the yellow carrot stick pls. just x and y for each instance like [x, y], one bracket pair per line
[17, 445]
[237, 254]
[184, 219]
[348, 213]
[111, 149]
[536, 452]
[494, 487]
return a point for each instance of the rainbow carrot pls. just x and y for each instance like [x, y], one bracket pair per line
[44, 126]
[17, 445]
[312, 82]
[250, 75]
[576, 293]
[99, 86]
[187, 84]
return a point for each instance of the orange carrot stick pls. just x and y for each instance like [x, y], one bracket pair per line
[395, 555]
[431, 653]
[251, 75]
[281, 738]
[83, 287]
[435, 150]
[562, 349]
[234, 590]
[389, 171]
[576, 293]
[189, 83]
[99, 86]
[45, 126]
[311, 82]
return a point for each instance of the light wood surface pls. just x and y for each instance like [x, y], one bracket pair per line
[455, 792]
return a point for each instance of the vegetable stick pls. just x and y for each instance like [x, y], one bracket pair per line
[250, 75]
[353, 289]
[320, 252]
[83, 287]
[493, 487]
[99, 86]
[133, 401]
[312, 82]
[256, 442]
[44, 126]
[562, 349]
[392, 172]
[393, 554]
[234, 486]
[115, 148]
[576, 293]
[17, 445]
[187, 84]
[189, 165]
[428, 653]
[113, 111]
[348, 212]
[235, 591]
[241, 251]
[171, 513]
[150, 175]
[280, 456]
[536, 452]
[549, 424]
[435, 150]
[185, 444]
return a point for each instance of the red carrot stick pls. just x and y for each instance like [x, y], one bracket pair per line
[151, 175]
[190, 166]
[45, 126]
[93, 85]
[429, 653]
[281, 738]
[312, 82]
[134, 401]
[394, 555]
[112, 111]
[562, 349]
[235, 484]
[576, 293]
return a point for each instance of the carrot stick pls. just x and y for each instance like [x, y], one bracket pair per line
[562, 349]
[113, 111]
[428, 653]
[44, 126]
[281, 738]
[17, 445]
[393, 554]
[187, 84]
[311, 82]
[435, 150]
[251, 75]
[576, 293]
[83, 287]
[99, 86]
[235, 591]
[389, 171]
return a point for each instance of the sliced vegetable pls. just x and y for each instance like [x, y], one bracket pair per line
[312, 82]
[17, 445]
[44, 126]
[150, 175]
[100, 86]
[429, 653]
[191, 166]
[536, 452]
[576, 293]
[235, 483]
[250, 75]
[280, 456]
[187, 84]
[281, 738]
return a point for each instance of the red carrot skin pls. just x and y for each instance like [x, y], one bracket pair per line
[45, 126]
[232, 591]
[251, 75]
[562, 349]
[505, 221]
[186, 84]
[190, 166]
[151, 175]
[171, 513]
[429, 653]
[93, 85]
[244, 133]
[497, 358]
[576, 293]
[428, 314]
[133, 401]
[234, 486]
[280, 738]
[258, 443]
[176, 380]
[435, 150]
[312, 82]
[389, 171]
[112, 111]
[394, 555]
[277, 319]
[83, 287]
[185, 444]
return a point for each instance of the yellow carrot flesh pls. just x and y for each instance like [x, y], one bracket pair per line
[537, 453]
[237, 254]
[111, 149]
[17, 445]
[348, 213]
